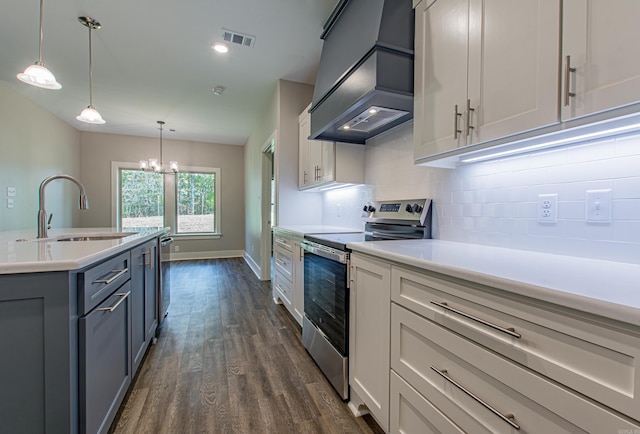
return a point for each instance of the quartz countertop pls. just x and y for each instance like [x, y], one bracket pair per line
[22, 252]
[316, 229]
[606, 288]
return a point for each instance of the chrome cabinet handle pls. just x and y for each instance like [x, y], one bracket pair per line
[305, 178]
[508, 418]
[151, 261]
[510, 331]
[469, 110]
[456, 114]
[567, 80]
[112, 278]
[115, 306]
[284, 243]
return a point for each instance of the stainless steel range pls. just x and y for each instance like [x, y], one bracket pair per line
[326, 280]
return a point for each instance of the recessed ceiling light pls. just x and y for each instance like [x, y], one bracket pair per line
[220, 47]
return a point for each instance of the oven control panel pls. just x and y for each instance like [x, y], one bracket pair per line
[411, 210]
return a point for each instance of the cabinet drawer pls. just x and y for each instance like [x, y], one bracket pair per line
[439, 364]
[98, 282]
[413, 413]
[283, 240]
[283, 262]
[284, 288]
[597, 358]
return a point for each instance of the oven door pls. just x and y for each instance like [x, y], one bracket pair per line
[326, 294]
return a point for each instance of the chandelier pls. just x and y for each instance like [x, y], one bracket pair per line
[155, 164]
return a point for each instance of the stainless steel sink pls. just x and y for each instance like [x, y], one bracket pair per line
[96, 237]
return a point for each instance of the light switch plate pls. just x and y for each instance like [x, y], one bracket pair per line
[598, 206]
[9, 203]
[11, 191]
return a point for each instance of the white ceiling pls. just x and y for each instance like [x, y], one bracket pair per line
[152, 60]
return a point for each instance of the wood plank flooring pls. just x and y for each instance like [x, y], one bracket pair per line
[229, 360]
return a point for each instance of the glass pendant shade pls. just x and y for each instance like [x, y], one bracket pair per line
[91, 116]
[38, 75]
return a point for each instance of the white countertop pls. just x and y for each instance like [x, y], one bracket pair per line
[317, 229]
[30, 255]
[606, 288]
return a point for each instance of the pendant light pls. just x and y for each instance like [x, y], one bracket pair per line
[37, 74]
[153, 163]
[90, 115]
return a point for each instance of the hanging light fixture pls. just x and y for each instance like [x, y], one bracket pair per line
[90, 115]
[37, 74]
[153, 163]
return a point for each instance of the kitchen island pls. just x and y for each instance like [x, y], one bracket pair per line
[78, 310]
[491, 339]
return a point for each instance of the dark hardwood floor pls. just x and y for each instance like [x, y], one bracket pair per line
[229, 360]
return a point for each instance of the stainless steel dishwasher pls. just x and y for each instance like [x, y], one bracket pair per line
[164, 286]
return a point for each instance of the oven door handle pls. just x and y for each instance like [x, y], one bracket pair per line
[334, 255]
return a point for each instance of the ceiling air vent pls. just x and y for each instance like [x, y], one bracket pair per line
[238, 38]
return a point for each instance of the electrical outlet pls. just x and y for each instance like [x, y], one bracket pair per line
[598, 203]
[547, 209]
[176, 248]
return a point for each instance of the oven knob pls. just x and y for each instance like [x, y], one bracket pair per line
[409, 208]
[371, 209]
[417, 208]
[365, 209]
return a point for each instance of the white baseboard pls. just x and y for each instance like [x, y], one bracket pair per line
[213, 254]
[252, 264]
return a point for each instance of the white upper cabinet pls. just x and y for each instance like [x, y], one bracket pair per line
[322, 162]
[483, 70]
[601, 56]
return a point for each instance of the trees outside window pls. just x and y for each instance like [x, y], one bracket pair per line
[196, 202]
[187, 201]
[142, 199]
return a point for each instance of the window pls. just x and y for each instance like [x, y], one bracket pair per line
[142, 199]
[196, 202]
[188, 202]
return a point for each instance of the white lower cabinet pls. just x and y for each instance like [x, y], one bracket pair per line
[369, 319]
[287, 283]
[465, 357]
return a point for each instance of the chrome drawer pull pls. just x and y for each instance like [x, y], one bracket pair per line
[568, 69]
[115, 306]
[510, 331]
[112, 278]
[508, 418]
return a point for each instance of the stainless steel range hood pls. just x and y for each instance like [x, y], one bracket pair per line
[365, 77]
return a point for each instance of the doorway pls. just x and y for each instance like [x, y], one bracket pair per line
[268, 206]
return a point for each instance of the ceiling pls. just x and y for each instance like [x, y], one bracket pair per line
[152, 60]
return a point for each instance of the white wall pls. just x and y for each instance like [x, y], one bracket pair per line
[494, 203]
[293, 206]
[34, 144]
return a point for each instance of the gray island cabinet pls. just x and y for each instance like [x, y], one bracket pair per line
[72, 340]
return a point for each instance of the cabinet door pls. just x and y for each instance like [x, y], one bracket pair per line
[600, 38]
[144, 299]
[369, 318]
[315, 162]
[104, 359]
[440, 94]
[138, 311]
[298, 281]
[513, 67]
[327, 169]
[304, 128]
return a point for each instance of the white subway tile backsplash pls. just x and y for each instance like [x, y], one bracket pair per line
[495, 202]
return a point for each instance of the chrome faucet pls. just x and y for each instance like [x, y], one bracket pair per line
[83, 202]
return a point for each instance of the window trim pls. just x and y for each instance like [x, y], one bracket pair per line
[170, 199]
